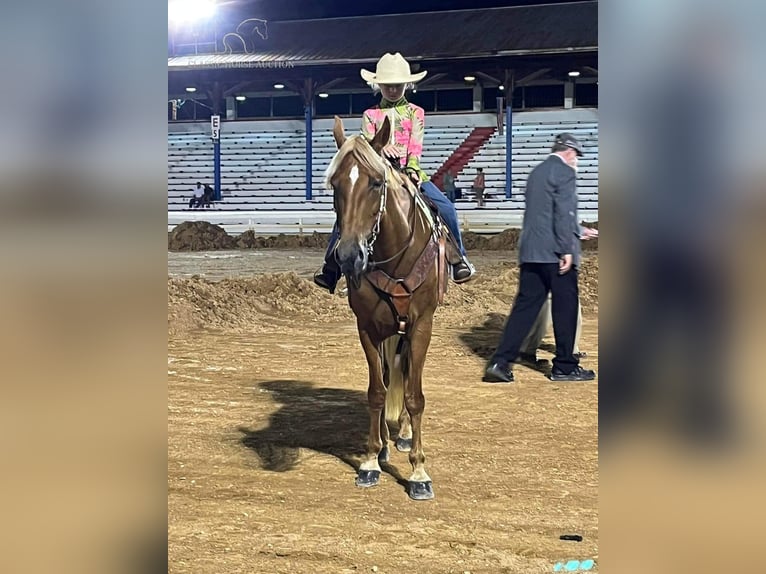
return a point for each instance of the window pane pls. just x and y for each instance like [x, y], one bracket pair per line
[544, 96]
[254, 108]
[288, 106]
[331, 105]
[586, 95]
[424, 99]
[361, 102]
[454, 100]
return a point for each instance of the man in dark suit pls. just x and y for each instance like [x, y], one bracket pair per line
[549, 253]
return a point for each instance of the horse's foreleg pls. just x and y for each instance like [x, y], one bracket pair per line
[419, 482]
[369, 470]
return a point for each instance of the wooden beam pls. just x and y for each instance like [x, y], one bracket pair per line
[430, 80]
[533, 76]
[489, 78]
[236, 88]
[330, 84]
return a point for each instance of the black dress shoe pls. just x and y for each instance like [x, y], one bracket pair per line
[497, 374]
[577, 374]
[462, 271]
[326, 279]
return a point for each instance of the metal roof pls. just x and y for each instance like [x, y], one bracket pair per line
[482, 33]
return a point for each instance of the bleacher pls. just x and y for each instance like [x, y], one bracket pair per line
[263, 164]
[531, 145]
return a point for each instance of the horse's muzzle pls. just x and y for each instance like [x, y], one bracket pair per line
[352, 258]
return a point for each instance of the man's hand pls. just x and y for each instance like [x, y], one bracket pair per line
[565, 263]
[390, 152]
[588, 233]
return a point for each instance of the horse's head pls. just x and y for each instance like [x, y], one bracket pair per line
[358, 177]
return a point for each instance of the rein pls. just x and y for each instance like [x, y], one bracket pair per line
[376, 227]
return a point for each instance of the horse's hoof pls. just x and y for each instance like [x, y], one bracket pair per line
[404, 444]
[421, 490]
[367, 478]
[383, 455]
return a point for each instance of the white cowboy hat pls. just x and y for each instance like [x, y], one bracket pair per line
[392, 69]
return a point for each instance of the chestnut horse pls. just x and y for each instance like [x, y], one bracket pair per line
[395, 267]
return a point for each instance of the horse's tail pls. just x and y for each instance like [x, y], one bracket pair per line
[395, 368]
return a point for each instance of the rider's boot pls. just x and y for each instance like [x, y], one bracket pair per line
[328, 276]
[463, 270]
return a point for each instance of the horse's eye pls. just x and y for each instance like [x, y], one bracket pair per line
[377, 183]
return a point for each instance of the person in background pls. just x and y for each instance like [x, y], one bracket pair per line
[208, 196]
[449, 185]
[478, 187]
[549, 253]
[199, 193]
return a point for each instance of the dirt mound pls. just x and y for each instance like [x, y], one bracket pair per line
[204, 236]
[199, 236]
[248, 240]
[508, 240]
[249, 303]
[257, 303]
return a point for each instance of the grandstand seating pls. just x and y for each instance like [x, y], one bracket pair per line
[263, 168]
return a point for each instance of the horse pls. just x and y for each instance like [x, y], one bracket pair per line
[395, 267]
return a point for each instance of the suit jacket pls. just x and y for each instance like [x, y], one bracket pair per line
[550, 227]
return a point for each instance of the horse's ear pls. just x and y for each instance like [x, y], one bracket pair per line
[383, 136]
[337, 132]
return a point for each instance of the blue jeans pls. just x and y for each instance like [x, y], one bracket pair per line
[446, 212]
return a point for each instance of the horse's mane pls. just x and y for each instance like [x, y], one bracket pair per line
[362, 152]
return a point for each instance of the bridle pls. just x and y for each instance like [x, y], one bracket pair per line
[376, 227]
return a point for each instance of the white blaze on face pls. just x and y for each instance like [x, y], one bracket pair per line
[354, 175]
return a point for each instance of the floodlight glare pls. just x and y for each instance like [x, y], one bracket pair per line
[191, 89]
[324, 95]
[240, 98]
[279, 86]
[501, 88]
[574, 74]
[186, 11]
[469, 78]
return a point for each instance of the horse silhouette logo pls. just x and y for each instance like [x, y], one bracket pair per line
[242, 39]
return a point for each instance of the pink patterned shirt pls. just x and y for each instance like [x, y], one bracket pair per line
[408, 127]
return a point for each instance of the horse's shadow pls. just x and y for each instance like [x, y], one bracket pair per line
[326, 420]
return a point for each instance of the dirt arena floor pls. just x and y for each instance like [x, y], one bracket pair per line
[267, 420]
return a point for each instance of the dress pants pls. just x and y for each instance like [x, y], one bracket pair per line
[536, 280]
[541, 327]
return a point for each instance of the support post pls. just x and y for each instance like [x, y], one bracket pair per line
[508, 86]
[307, 92]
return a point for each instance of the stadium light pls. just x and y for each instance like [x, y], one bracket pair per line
[240, 98]
[191, 89]
[187, 11]
[469, 78]
[279, 86]
[323, 95]
[501, 88]
[574, 74]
